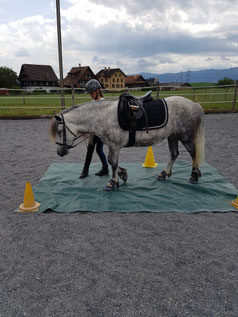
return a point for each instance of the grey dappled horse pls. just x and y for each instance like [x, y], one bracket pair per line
[185, 123]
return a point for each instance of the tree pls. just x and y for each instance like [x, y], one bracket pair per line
[8, 78]
[225, 81]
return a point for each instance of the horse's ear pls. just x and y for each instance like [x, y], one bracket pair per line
[58, 118]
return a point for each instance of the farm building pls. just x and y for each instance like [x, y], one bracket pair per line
[111, 78]
[173, 86]
[136, 81]
[79, 76]
[37, 76]
[4, 91]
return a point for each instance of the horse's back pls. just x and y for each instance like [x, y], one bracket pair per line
[181, 105]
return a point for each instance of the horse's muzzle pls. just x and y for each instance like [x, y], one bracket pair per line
[62, 151]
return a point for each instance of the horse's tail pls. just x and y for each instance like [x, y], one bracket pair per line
[199, 142]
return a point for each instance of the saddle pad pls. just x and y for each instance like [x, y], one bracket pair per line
[157, 113]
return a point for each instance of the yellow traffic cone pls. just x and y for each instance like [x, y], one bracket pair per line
[29, 203]
[235, 203]
[149, 160]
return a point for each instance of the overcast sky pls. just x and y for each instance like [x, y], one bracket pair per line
[154, 36]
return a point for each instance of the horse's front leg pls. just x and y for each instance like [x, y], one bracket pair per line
[113, 161]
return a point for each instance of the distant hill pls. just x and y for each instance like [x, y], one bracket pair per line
[207, 75]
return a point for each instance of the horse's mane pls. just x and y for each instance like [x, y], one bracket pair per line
[53, 129]
[70, 109]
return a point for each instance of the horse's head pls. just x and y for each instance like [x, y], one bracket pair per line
[63, 134]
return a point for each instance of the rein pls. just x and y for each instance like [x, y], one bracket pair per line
[64, 135]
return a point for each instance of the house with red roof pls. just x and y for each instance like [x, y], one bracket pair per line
[79, 76]
[135, 81]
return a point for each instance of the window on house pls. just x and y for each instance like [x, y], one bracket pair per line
[113, 86]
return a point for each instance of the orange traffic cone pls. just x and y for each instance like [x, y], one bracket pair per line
[149, 160]
[235, 203]
[29, 203]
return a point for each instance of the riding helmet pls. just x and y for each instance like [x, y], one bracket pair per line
[92, 85]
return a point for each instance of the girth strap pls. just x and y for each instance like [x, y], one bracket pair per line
[132, 138]
[133, 123]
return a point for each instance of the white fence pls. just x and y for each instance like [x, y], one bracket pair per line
[53, 98]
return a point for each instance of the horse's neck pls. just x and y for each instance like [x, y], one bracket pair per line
[90, 117]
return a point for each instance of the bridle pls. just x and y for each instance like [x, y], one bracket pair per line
[64, 144]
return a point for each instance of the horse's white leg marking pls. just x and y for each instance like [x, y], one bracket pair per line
[168, 168]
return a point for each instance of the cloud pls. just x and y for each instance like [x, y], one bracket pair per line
[135, 35]
[31, 40]
[140, 43]
[100, 61]
[22, 52]
[224, 58]
[144, 64]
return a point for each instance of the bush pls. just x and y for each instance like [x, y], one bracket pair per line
[225, 81]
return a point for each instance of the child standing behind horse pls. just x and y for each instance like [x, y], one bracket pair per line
[93, 87]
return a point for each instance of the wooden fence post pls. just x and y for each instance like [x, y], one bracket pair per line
[23, 97]
[72, 96]
[194, 92]
[234, 98]
[157, 90]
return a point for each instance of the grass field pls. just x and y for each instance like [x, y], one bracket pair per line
[210, 97]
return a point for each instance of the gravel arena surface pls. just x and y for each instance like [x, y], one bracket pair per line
[114, 264]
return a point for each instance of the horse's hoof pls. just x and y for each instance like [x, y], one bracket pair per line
[109, 189]
[162, 176]
[111, 185]
[123, 176]
[193, 181]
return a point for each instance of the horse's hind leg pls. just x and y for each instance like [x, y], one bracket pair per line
[122, 173]
[174, 152]
[196, 173]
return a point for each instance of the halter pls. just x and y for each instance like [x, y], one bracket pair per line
[64, 144]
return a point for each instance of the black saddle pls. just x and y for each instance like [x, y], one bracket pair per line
[144, 113]
[131, 106]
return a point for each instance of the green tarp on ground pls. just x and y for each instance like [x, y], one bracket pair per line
[61, 190]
